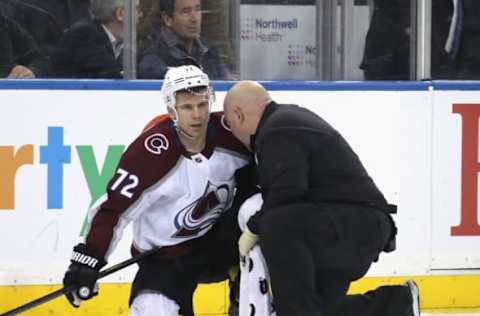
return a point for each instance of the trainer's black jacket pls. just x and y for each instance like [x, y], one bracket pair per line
[302, 159]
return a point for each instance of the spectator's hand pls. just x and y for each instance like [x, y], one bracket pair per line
[82, 274]
[21, 72]
[246, 242]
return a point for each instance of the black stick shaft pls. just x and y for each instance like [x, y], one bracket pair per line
[65, 290]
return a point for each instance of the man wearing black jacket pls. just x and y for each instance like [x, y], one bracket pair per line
[468, 58]
[20, 56]
[92, 48]
[323, 221]
[46, 20]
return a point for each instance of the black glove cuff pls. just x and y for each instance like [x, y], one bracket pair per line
[253, 223]
[82, 256]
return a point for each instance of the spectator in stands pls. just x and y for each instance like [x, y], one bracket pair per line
[442, 65]
[387, 45]
[455, 44]
[46, 20]
[19, 54]
[178, 43]
[64, 12]
[93, 48]
[468, 58]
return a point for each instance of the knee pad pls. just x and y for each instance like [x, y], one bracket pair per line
[153, 304]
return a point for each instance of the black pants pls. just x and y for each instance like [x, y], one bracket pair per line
[207, 261]
[313, 252]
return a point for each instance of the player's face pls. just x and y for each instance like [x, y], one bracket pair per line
[186, 20]
[193, 113]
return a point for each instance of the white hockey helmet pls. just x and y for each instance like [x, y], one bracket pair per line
[184, 78]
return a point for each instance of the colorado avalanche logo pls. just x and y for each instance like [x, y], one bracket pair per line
[156, 143]
[203, 212]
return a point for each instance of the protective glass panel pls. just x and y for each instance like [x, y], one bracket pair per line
[180, 32]
[455, 52]
[238, 39]
[278, 40]
[386, 49]
[31, 32]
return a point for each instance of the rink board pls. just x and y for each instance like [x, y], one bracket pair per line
[418, 141]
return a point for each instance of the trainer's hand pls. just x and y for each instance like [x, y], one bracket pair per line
[82, 274]
[246, 242]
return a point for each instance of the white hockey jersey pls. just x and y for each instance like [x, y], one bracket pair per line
[170, 195]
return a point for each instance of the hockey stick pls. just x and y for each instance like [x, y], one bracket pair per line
[65, 290]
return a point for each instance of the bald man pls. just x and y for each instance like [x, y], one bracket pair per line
[323, 220]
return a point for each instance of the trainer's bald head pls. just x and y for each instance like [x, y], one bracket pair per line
[248, 94]
[244, 105]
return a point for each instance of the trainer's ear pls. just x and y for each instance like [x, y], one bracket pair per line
[239, 115]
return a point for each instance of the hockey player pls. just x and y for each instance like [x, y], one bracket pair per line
[174, 182]
[323, 221]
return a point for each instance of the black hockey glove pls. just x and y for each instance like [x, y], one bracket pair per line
[82, 274]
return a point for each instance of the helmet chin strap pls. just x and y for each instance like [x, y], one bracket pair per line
[181, 131]
[177, 127]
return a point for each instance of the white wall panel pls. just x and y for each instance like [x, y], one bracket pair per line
[409, 141]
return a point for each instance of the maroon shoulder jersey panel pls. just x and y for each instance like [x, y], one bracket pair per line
[155, 121]
[147, 160]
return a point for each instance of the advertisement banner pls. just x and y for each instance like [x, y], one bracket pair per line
[59, 148]
[455, 170]
[278, 42]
